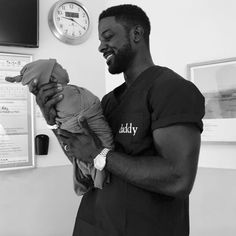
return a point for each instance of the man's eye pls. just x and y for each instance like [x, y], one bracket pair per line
[108, 37]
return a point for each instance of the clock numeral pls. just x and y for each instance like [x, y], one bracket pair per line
[61, 26]
[63, 8]
[59, 12]
[71, 6]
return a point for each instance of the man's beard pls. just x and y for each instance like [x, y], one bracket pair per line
[122, 59]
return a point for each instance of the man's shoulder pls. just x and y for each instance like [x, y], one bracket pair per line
[170, 83]
[170, 75]
[171, 79]
[105, 99]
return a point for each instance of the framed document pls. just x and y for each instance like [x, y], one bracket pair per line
[217, 82]
[16, 116]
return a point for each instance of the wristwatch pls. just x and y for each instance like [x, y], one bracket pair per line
[100, 160]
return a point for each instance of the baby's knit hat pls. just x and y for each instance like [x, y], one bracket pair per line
[43, 70]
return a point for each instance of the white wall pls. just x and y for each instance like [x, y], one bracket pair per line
[212, 203]
[41, 201]
[185, 32]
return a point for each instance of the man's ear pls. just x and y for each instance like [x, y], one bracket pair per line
[137, 33]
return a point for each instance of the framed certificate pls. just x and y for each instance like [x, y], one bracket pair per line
[217, 82]
[16, 116]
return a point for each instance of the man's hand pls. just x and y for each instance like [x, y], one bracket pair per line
[47, 97]
[84, 145]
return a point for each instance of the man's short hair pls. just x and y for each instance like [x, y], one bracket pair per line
[129, 15]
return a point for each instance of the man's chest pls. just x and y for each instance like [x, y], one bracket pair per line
[130, 122]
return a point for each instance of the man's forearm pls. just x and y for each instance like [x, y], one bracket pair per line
[152, 173]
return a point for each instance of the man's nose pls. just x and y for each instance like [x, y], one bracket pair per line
[102, 47]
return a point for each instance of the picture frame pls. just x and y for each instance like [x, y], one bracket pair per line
[16, 116]
[216, 80]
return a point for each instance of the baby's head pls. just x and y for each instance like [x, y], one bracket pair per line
[60, 74]
[43, 70]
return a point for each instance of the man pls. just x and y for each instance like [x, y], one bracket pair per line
[156, 121]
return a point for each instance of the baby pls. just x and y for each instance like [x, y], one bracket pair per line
[77, 102]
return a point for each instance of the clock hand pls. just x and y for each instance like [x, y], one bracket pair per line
[78, 23]
[71, 19]
[66, 18]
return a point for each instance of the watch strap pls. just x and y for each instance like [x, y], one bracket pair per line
[104, 152]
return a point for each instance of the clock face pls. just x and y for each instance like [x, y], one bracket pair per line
[69, 21]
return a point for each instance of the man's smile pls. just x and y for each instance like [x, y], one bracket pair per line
[108, 56]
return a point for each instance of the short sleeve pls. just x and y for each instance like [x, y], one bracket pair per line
[175, 100]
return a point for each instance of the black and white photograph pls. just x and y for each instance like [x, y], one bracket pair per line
[117, 118]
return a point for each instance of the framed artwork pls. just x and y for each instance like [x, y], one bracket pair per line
[217, 82]
[16, 116]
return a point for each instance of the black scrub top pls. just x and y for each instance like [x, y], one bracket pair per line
[158, 98]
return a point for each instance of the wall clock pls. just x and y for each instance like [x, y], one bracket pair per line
[69, 21]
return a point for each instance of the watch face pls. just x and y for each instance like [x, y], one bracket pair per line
[69, 21]
[99, 162]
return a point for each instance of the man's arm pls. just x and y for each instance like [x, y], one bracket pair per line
[171, 172]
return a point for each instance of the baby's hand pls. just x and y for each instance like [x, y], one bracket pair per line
[15, 79]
